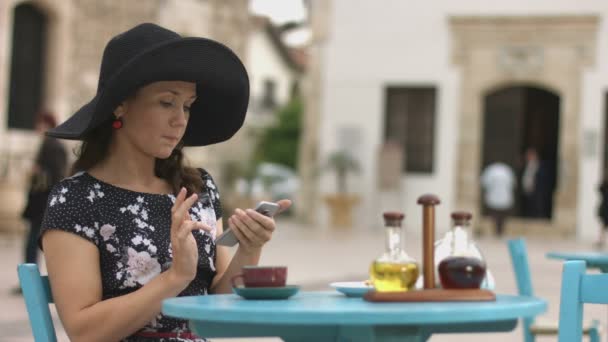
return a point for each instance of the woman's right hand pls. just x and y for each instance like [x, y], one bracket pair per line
[183, 244]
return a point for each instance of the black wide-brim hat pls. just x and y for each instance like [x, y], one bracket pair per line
[149, 53]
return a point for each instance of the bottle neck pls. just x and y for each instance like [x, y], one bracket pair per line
[461, 238]
[393, 239]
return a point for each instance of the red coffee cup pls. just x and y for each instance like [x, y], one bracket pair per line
[262, 276]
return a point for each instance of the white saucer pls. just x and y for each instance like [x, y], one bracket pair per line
[352, 288]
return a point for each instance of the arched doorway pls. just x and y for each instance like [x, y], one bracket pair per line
[27, 73]
[518, 119]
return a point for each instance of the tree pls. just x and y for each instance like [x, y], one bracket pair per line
[279, 143]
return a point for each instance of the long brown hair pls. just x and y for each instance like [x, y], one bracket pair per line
[94, 149]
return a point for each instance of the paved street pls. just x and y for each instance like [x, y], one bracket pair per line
[317, 257]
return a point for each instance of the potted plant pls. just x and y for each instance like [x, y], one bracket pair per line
[341, 204]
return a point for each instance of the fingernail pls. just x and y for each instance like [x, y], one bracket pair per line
[239, 211]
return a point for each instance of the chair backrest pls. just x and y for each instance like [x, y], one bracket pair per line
[521, 268]
[37, 295]
[578, 288]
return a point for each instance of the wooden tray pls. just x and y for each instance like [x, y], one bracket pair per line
[433, 295]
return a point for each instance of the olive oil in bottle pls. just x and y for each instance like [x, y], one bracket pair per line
[394, 270]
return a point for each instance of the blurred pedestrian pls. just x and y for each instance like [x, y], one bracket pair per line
[603, 211]
[48, 169]
[538, 185]
[498, 183]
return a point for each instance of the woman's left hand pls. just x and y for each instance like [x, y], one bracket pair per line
[253, 229]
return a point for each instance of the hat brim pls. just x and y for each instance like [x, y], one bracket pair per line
[222, 90]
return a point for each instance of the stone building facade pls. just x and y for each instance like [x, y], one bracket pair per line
[445, 79]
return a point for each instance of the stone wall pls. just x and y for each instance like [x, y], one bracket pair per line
[551, 52]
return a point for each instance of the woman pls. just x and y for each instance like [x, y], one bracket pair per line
[135, 226]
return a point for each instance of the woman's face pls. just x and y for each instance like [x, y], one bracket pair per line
[155, 119]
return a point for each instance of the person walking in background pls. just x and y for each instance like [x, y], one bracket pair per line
[49, 168]
[603, 211]
[529, 182]
[498, 182]
[538, 183]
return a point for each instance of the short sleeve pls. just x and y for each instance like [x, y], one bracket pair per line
[214, 194]
[69, 209]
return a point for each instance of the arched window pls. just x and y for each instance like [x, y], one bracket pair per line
[27, 75]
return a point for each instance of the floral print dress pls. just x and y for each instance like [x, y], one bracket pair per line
[131, 230]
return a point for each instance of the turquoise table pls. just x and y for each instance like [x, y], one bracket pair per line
[593, 259]
[330, 316]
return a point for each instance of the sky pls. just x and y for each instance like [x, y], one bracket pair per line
[282, 11]
[279, 11]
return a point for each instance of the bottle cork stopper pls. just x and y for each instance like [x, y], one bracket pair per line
[428, 199]
[393, 216]
[462, 216]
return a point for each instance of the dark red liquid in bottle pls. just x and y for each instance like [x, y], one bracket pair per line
[461, 273]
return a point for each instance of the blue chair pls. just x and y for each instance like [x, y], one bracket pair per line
[578, 288]
[532, 327]
[37, 295]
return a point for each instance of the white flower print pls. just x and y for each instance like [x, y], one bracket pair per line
[78, 228]
[88, 232]
[207, 248]
[91, 196]
[207, 216]
[96, 192]
[137, 240]
[172, 198]
[152, 249]
[213, 190]
[129, 282]
[133, 208]
[142, 267]
[140, 199]
[110, 248]
[59, 197]
[211, 265]
[106, 231]
[144, 214]
[140, 223]
[123, 209]
[146, 242]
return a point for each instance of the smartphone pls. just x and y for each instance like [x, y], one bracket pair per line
[227, 238]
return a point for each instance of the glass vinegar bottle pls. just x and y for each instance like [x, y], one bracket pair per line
[463, 267]
[394, 270]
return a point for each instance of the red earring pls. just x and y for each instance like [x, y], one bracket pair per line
[117, 123]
